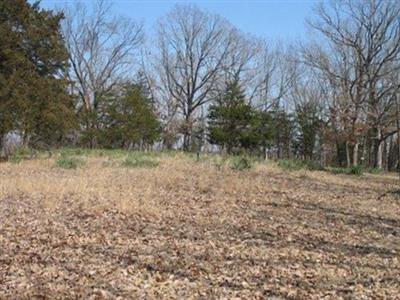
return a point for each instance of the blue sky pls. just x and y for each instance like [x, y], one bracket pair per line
[271, 19]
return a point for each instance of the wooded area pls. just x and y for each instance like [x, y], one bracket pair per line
[85, 77]
[259, 201]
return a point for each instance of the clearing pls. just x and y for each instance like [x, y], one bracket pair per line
[174, 227]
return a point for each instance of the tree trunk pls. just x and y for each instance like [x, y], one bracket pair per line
[338, 153]
[1, 144]
[364, 151]
[379, 149]
[387, 153]
[348, 162]
[186, 141]
[398, 131]
[355, 154]
[398, 147]
[278, 150]
[187, 134]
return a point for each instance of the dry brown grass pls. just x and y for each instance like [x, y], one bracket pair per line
[186, 229]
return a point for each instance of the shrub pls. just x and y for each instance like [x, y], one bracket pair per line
[356, 170]
[15, 159]
[241, 163]
[19, 154]
[314, 166]
[139, 162]
[68, 163]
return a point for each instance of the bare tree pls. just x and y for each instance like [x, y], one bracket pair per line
[363, 45]
[240, 63]
[102, 50]
[193, 47]
[275, 71]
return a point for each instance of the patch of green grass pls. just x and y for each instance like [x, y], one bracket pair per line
[69, 163]
[291, 164]
[111, 153]
[110, 163]
[19, 154]
[354, 170]
[241, 163]
[139, 162]
[83, 152]
[315, 166]
[15, 159]
[236, 162]
[71, 152]
[375, 170]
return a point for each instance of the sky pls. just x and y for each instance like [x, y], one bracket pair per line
[269, 19]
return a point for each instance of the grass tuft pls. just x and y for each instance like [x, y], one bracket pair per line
[375, 170]
[241, 163]
[139, 162]
[354, 170]
[69, 163]
[20, 154]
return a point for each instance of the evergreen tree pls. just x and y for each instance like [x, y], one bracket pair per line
[265, 130]
[283, 133]
[233, 123]
[33, 96]
[129, 119]
[309, 124]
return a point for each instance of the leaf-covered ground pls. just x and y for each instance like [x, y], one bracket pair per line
[188, 229]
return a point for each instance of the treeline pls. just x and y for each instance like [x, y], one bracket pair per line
[84, 77]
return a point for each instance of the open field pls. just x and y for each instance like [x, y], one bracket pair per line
[181, 228]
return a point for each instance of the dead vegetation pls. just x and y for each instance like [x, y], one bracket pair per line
[195, 229]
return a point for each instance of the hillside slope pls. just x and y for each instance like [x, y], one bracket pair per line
[187, 229]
